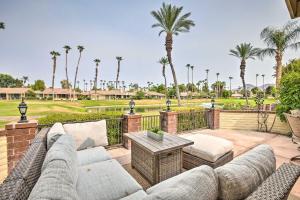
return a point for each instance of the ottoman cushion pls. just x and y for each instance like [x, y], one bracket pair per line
[207, 147]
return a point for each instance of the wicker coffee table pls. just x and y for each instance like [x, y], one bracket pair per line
[157, 160]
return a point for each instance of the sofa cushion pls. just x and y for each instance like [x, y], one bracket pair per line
[55, 182]
[241, 176]
[139, 195]
[54, 133]
[88, 134]
[63, 150]
[107, 179]
[196, 184]
[207, 147]
[92, 155]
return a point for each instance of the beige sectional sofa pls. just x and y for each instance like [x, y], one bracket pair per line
[76, 166]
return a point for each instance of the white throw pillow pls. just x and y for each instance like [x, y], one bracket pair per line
[88, 134]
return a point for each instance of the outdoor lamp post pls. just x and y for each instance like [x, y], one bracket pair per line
[168, 102]
[213, 103]
[23, 109]
[131, 106]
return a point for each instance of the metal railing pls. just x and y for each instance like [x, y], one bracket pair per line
[150, 121]
[191, 120]
[114, 127]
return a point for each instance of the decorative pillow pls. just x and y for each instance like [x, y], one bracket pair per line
[88, 134]
[63, 150]
[195, 184]
[54, 133]
[240, 177]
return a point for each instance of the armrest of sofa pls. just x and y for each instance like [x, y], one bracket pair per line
[279, 184]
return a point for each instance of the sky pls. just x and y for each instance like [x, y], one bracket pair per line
[113, 28]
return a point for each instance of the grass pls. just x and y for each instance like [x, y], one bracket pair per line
[42, 107]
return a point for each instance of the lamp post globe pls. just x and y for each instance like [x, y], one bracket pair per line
[168, 102]
[23, 109]
[131, 106]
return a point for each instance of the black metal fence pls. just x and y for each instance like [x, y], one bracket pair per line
[150, 121]
[114, 128]
[191, 120]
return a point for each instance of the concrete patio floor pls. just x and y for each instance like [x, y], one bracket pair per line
[243, 141]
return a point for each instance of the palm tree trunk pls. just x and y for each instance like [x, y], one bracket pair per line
[243, 67]
[96, 78]
[76, 73]
[118, 73]
[165, 78]
[67, 77]
[278, 58]
[169, 43]
[53, 76]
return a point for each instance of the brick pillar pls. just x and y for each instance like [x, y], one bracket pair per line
[19, 136]
[168, 121]
[131, 123]
[214, 118]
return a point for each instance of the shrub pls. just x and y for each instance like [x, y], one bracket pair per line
[77, 117]
[139, 95]
[226, 94]
[289, 93]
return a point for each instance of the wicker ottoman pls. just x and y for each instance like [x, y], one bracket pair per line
[206, 150]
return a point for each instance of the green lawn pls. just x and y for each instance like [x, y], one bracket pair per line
[40, 108]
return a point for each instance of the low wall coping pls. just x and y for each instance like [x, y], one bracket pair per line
[247, 111]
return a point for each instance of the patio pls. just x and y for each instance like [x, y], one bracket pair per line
[243, 141]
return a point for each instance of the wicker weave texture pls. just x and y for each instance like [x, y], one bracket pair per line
[18, 185]
[278, 185]
[156, 168]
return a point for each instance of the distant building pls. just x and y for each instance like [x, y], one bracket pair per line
[12, 93]
[108, 94]
[59, 93]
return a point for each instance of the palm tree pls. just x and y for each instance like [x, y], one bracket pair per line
[119, 58]
[244, 51]
[256, 79]
[263, 76]
[2, 25]
[25, 79]
[218, 89]
[278, 40]
[230, 78]
[54, 54]
[67, 49]
[172, 23]
[97, 61]
[80, 49]
[207, 70]
[188, 73]
[164, 61]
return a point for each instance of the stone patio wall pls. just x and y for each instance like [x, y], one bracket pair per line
[247, 120]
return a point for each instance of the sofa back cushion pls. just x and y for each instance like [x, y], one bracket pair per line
[196, 184]
[63, 150]
[88, 134]
[241, 176]
[54, 133]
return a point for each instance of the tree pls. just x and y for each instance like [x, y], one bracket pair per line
[226, 94]
[80, 49]
[2, 25]
[244, 51]
[25, 79]
[271, 90]
[97, 61]
[119, 58]
[278, 40]
[54, 54]
[292, 66]
[67, 49]
[39, 85]
[139, 95]
[65, 84]
[164, 61]
[255, 90]
[30, 94]
[219, 86]
[172, 23]
[6, 81]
